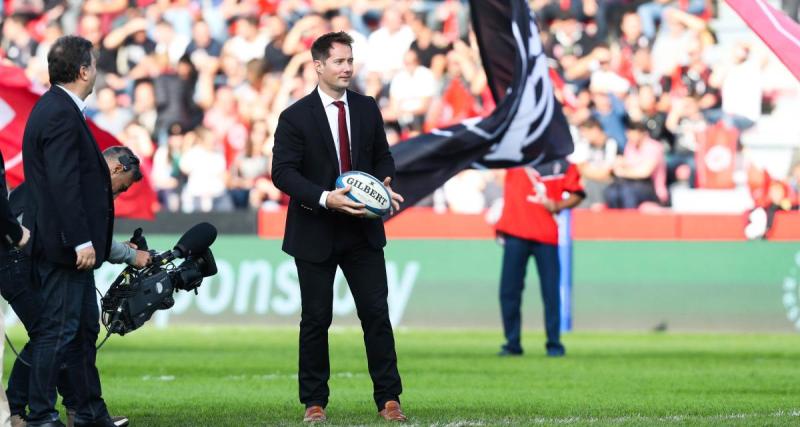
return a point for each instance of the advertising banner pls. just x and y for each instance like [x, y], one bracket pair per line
[737, 286]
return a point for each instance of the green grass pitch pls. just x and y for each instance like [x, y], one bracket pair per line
[246, 376]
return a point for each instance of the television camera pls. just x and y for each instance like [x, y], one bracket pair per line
[136, 294]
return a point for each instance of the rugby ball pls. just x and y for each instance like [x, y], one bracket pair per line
[366, 189]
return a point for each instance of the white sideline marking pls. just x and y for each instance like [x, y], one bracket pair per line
[637, 418]
[159, 378]
[277, 376]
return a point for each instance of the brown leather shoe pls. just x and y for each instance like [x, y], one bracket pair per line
[314, 414]
[392, 412]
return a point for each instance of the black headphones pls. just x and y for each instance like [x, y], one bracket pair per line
[128, 162]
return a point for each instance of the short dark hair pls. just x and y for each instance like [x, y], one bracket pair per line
[321, 49]
[635, 125]
[66, 57]
[591, 122]
[19, 18]
[125, 156]
[250, 19]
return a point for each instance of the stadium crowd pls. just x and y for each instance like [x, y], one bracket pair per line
[195, 87]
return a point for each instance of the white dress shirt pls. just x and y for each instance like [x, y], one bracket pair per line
[81, 106]
[332, 112]
[75, 98]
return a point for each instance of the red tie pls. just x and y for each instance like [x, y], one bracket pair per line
[344, 139]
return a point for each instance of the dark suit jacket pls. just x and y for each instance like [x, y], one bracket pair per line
[69, 186]
[10, 231]
[304, 164]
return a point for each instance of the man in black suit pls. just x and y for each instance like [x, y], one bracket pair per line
[70, 213]
[330, 131]
[12, 237]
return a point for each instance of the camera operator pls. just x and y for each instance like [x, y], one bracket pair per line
[123, 166]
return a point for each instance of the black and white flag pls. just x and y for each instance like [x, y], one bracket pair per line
[527, 127]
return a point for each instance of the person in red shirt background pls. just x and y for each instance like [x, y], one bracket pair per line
[527, 227]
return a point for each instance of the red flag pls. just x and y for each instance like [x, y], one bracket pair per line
[17, 98]
[777, 30]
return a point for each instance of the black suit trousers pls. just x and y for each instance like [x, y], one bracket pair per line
[66, 331]
[364, 267]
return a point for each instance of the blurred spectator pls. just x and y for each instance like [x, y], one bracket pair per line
[431, 47]
[631, 40]
[642, 69]
[451, 17]
[671, 45]
[465, 92]
[687, 123]
[610, 112]
[248, 43]
[654, 12]
[386, 45]
[640, 173]
[274, 56]
[106, 10]
[643, 107]
[250, 183]
[206, 174]
[169, 42]
[179, 14]
[18, 44]
[411, 92]
[37, 66]
[130, 44]
[224, 123]
[231, 71]
[137, 138]
[144, 106]
[249, 91]
[303, 33]
[52, 32]
[174, 88]
[604, 76]
[595, 154]
[692, 79]
[568, 44]
[203, 46]
[110, 116]
[740, 83]
[89, 28]
[166, 175]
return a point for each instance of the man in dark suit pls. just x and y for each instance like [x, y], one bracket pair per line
[70, 213]
[12, 237]
[330, 131]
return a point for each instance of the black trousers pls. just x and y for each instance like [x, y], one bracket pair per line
[16, 288]
[66, 331]
[365, 270]
[629, 193]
